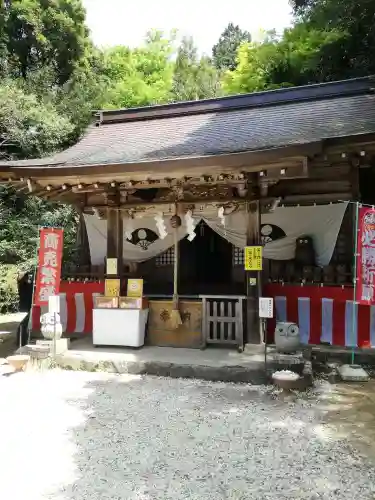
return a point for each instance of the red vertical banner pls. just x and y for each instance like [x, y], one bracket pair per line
[365, 289]
[49, 265]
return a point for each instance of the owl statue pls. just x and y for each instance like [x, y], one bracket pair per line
[51, 326]
[305, 252]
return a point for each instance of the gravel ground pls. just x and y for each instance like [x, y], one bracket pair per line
[75, 435]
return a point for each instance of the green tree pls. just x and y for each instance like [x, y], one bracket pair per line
[29, 127]
[293, 59]
[194, 78]
[36, 33]
[141, 76]
[51, 78]
[353, 54]
[224, 52]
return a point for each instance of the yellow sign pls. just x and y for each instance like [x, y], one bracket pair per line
[112, 288]
[111, 267]
[253, 259]
[135, 288]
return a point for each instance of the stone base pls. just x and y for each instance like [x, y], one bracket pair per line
[37, 351]
[288, 359]
[353, 373]
[62, 345]
[280, 361]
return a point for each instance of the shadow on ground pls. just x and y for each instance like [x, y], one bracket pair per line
[350, 410]
[8, 328]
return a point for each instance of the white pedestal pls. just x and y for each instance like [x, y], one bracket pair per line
[119, 327]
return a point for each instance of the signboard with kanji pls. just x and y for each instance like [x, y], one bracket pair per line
[112, 287]
[111, 267]
[366, 256]
[253, 258]
[49, 265]
[265, 307]
[135, 288]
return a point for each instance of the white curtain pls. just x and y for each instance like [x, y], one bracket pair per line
[281, 228]
[97, 236]
[234, 229]
[321, 222]
[279, 232]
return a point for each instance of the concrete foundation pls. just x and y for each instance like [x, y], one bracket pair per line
[210, 364]
[215, 364]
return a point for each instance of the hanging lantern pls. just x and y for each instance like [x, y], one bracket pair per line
[175, 221]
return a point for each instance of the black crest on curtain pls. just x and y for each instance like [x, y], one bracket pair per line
[143, 237]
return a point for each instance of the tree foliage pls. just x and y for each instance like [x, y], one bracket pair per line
[43, 32]
[224, 52]
[194, 77]
[29, 127]
[141, 76]
[155, 73]
[293, 59]
[45, 57]
[354, 54]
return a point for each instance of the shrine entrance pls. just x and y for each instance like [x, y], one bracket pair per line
[206, 263]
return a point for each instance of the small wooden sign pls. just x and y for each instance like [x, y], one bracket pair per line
[112, 288]
[265, 307]
[135, 288]
[253, 258]
[111, 267]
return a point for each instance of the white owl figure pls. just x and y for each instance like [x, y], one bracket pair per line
[51, 326]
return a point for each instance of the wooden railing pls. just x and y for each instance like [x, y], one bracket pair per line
[222, 320]
[288, 272]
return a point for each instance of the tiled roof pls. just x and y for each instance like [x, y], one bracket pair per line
[224, 130]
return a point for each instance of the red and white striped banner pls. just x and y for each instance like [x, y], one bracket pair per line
[76, 305]
[323, 314]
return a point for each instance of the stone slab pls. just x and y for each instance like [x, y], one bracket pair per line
[353, 373]
[254, 375]
[62, 345]
[210, 364]
[288, 359]
[38, 351]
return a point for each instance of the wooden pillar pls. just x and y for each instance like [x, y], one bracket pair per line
[253, 278]
[111, 233]
[115, 237]
[119, 241]
[82, 250]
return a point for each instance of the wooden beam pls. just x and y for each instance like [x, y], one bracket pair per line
[272, 173]
[315, 198]
[250, 160]
[195, 201]
[348, 143]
